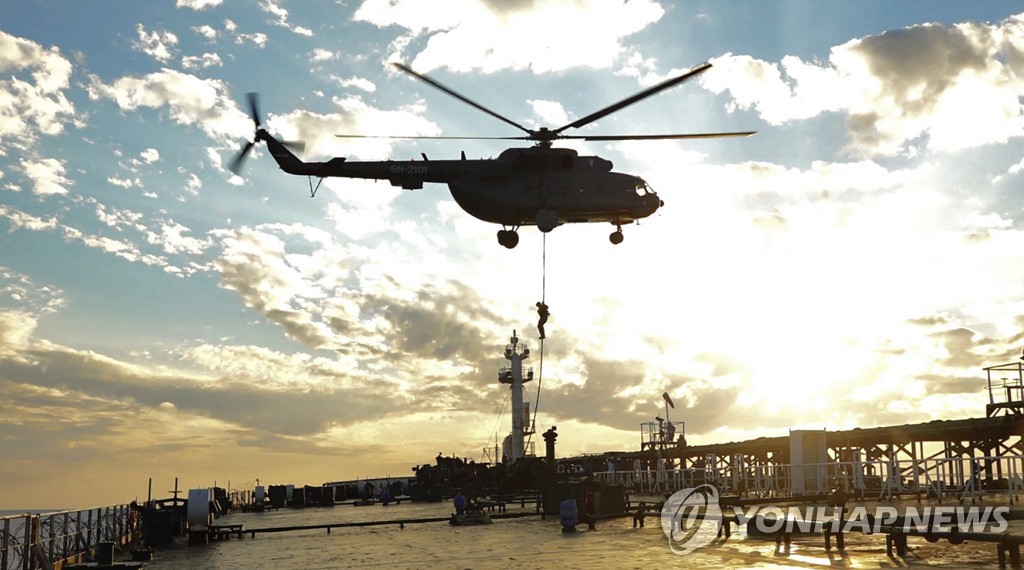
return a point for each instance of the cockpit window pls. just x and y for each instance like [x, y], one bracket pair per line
[641, 187]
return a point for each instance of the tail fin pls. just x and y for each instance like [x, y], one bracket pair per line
[281, 153]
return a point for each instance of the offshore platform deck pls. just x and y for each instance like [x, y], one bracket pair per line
[961, 458]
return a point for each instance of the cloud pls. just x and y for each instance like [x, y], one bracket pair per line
[124, 182]
[488, 36]
[173, 238]
[120, 219]
[321, 54]
[206, 31]
[272, 8]
[188, 99]
[116, 219]
[120, 248]
[252, 392]
[946, 88]
[159, 45]
[150, 155]
[201, 62]
[22, 220]
[238, 403]
[32, 91]
[357, 82]
[30, 298]
[354, 117]
[791, 91]
[254, 265]
[400, 319]
[47, 175]
[549, 112]
[258, 39]
[15, 330]
[1014, 169]
[194, 184]
[197, 4]
[433, 329]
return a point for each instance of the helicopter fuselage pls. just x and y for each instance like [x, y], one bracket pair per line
[548, 187]
[534, 186]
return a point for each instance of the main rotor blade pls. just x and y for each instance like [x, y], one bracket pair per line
[422, 137]
[460, 97]
[657, 137]
[639, 96]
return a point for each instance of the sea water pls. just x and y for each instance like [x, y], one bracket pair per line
[527, 542]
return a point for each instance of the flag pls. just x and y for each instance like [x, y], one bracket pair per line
[668, 399]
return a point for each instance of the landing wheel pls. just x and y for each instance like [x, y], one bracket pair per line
[616, 237]
[508, 238]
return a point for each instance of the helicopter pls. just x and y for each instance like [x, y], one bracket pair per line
[541, 185]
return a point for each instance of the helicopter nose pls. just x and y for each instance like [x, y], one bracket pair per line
[647, 205]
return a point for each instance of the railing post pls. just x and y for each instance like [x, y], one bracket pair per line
[79, 539]
[5, 545]
[51, 548]
[66, 538]
[89, 532]
[26, 544]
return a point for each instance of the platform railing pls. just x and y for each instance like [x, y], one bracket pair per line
[29, 541]
[959, 478]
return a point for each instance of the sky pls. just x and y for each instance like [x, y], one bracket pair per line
[853, 264]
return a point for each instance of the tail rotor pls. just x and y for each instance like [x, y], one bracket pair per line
[261, 134]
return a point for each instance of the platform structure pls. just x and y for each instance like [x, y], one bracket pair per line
[959, 459]
[662, 434]
[1006, 389]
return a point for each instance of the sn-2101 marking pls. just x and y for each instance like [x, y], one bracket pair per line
[408, 169]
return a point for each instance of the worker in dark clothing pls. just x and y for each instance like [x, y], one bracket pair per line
[542, 312]
[460, 504]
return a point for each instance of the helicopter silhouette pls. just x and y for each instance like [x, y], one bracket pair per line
[541, 185]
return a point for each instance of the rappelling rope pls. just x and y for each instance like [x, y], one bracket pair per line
[543, 300]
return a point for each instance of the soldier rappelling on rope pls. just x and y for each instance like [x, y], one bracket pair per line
[542, 312]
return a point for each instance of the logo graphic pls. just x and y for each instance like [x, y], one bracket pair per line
[691, 518]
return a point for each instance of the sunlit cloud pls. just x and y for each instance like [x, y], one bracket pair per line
[160, 45]
[950, 85]
[473, 34]
[189, 100]
[197, 4]
[272, 8]
[32, 93]
[201, 62]
[47, 175]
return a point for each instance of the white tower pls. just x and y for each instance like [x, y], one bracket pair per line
[516, 352]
